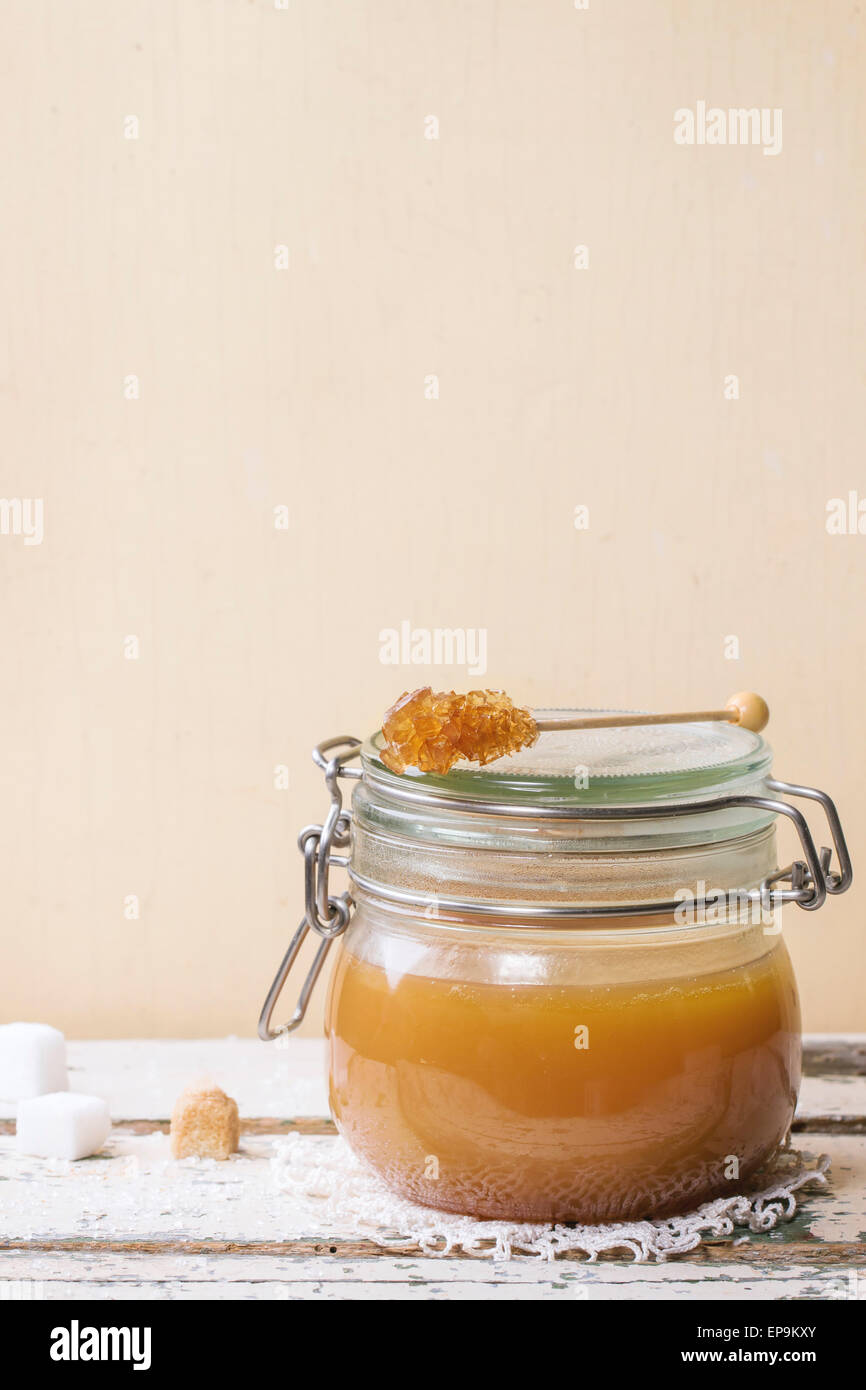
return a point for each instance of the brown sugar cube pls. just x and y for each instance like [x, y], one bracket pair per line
[204, 1123]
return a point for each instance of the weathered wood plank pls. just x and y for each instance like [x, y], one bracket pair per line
[812, 1255]
[824, 1124]
[142, 1078]
[830, 1097]
[303, 1124]
[385, 1267]
[448, 1286]
[268, 1276]
[830, 1053]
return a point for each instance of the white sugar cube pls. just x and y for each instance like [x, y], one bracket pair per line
[63, 1125]
[32, 1060]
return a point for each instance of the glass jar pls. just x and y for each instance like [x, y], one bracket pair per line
[562, 992]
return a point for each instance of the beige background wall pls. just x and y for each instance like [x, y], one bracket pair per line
[305, 387]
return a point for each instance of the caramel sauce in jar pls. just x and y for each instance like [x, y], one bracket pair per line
[590, 1079]
[516, 1030]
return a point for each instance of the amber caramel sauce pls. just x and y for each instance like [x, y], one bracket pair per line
[474, 1098]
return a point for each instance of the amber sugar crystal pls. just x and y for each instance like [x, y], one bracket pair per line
[432, 730]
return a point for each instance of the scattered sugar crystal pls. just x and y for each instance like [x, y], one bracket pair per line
[204, 1123]
[62, 1125]
[32, 1060]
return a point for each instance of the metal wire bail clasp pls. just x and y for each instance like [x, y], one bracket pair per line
[324, 914]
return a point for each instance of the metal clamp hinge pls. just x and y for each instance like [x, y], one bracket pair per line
[325, 914]
[811, 879]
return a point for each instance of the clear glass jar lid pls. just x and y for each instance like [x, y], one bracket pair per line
[593, 767]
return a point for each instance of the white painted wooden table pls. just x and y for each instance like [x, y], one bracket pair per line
[130, 1223]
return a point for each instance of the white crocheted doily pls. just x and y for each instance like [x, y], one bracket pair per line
[334, 1190]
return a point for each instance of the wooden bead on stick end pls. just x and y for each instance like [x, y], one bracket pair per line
[751, 710]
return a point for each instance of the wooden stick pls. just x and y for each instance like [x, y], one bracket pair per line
[746, 709]
[621, 721]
